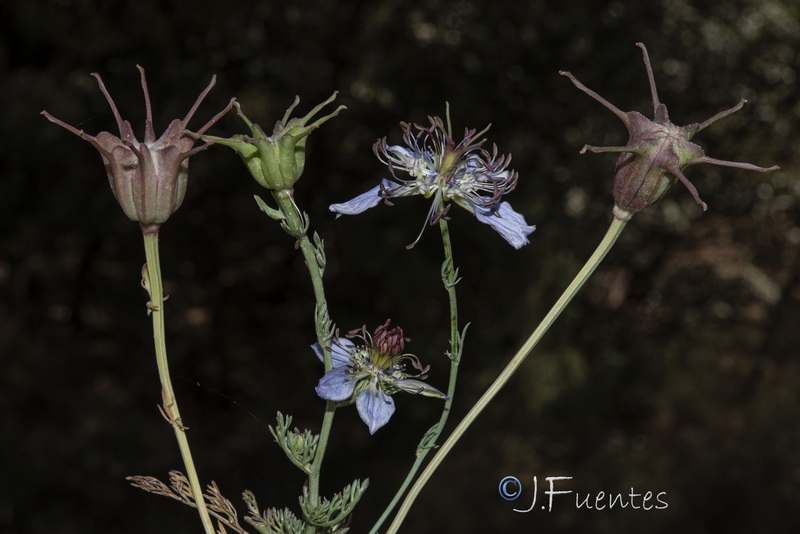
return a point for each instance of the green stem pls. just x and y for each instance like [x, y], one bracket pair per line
[449, 278]
[152, 282]
[295, 225]
[617, 225]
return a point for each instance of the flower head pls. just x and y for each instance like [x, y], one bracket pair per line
[438, 167]
[148, 178]
[276, 161]
[656, 152]
[371, 371]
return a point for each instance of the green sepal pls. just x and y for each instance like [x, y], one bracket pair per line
[272, 212]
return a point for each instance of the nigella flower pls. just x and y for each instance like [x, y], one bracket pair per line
[372, 371]
[148, 178]
[439, 167]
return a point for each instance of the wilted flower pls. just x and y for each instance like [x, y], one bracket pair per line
[372, 371]
[277, 161]
[148, 178]
[656, 152]
[438, 167]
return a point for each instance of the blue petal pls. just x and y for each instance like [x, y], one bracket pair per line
[375, 408]
[336, 385]
[402, 155]
[364, 201]
[340, 351]
[508, 223]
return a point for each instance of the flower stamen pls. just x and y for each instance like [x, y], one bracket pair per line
[438, 167]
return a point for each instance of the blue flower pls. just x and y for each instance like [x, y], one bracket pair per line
[437, 167]
[371, 372]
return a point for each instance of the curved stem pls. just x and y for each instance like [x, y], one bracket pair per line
[449, 278]
[152, 283]
[617, 225]
[309, 254]
[314, 256]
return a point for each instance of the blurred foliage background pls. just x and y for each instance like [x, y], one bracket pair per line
[675, 370]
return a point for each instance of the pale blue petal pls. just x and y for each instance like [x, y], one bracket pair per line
[340, 351]
[336, 385]
[476, 169]
[402, 155]
[375, 408]
[364, 201]
[508, 223]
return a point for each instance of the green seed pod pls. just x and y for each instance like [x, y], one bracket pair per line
[276, 161]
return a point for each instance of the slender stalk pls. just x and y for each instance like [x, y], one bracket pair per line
[449, 278]
[617, 225]
[152, 283]
[314, 258]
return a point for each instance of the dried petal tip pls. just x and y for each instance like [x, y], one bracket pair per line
[656, 152]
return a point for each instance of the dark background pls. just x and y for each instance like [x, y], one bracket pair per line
[675, 369]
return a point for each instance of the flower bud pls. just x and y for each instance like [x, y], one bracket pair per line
[276, 162]
[656, 152]
[148, 178]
